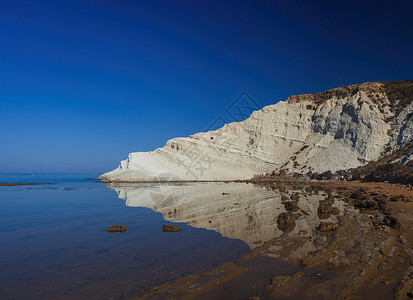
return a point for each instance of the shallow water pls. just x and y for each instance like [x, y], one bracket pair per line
[54, 243]
[236, 210]
[306, 261]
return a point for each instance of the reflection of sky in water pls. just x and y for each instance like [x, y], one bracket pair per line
[54, 243]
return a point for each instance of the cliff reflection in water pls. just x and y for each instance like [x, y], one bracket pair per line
[283, 222]
[236, 210]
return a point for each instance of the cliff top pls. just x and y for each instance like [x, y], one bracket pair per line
[400, 93]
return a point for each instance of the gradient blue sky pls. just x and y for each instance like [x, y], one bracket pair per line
[83, 83]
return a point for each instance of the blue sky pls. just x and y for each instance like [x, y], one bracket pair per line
[83, 83]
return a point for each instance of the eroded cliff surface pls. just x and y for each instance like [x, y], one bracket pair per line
[337, 129]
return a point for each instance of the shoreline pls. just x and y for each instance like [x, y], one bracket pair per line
[387, 251]
[267, 182]
[171, 181]
[250, 180]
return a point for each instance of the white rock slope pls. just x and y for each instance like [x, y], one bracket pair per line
[337, 129]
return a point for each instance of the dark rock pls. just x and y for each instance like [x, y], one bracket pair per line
[327, 210]
[170, 228]
[391, 222]
[358, 194]
[116, 228]
[386, 211]
[381, 203]
[284, 197]
[291, 206]
[402, 240]
[375, 221]
[225, 193]
[366, 204]
[286, 220]
[327, 201]
[327, 226]
[295, 196]
[342, 188]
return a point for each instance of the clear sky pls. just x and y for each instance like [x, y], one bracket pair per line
[83, 83]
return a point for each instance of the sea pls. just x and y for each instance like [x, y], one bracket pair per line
[54, 243]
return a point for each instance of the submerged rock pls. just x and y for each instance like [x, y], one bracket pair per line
[283, 286]
[116, 228]
[170, 228]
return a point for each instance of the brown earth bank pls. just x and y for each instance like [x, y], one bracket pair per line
[17, 184]
[367, 254]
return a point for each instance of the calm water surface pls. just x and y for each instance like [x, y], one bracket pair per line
[53, 242]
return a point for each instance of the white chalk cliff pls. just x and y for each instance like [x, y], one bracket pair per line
[338, 129]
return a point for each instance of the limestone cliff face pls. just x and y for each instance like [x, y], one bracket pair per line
[337, 129]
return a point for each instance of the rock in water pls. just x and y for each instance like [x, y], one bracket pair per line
[116, 228]
[337, 129]
[170, 228]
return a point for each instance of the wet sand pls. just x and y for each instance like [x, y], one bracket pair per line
[362, 259]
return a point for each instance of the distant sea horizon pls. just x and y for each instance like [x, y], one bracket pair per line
[38, 177]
